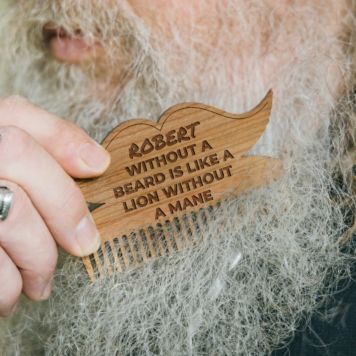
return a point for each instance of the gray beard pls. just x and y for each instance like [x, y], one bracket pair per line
[267, 260]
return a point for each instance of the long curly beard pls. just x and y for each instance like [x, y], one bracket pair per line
[270, 257]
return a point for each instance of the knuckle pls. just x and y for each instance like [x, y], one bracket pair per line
[14, 142]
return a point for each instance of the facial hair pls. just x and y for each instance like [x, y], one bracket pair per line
[270, 257]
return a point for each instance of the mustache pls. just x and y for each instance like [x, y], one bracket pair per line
[43, 19]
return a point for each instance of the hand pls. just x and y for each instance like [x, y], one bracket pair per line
[39, 153]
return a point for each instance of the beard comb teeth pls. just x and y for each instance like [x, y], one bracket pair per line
[167, 179]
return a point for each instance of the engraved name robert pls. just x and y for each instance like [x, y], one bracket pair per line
[160, 141]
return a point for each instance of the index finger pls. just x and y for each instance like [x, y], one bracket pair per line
[77, 153]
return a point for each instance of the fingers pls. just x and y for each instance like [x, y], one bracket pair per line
[10, 284]
[76, 152]
[53, 193]
[26, 239]
[38, 154]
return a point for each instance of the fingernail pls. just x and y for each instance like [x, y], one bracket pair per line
[47, 290]
[87, 236]
[94, 156]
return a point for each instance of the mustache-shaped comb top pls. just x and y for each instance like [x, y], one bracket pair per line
[167, 179]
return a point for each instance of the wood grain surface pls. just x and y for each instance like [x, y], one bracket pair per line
[192, 158]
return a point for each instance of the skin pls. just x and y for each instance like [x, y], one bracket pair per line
[40, 154]
[48, 208]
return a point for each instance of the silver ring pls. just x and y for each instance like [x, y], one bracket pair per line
[6, 196]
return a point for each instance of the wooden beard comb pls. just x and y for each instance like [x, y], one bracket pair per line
[167, 178]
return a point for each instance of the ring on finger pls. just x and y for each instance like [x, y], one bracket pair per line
[6, 196]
